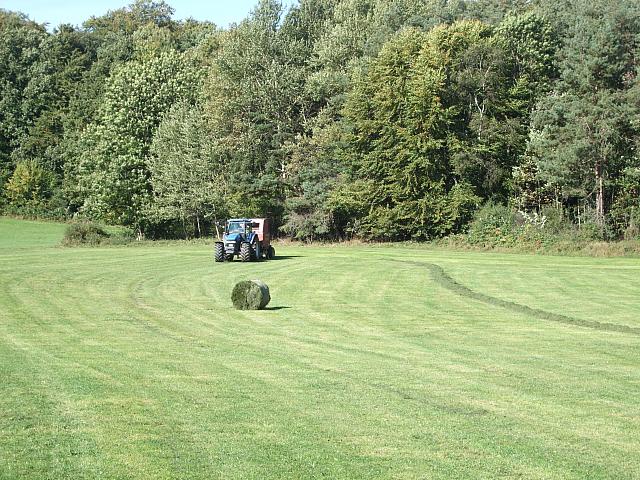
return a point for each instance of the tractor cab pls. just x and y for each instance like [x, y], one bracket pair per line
[239, 227]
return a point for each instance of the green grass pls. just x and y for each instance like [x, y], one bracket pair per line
[372, 362]
[27, 235]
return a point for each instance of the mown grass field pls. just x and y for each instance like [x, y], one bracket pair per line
[129, 362]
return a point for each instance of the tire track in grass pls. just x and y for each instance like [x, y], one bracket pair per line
[442, 278]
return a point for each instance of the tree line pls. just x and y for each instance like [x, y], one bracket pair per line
[376, 119]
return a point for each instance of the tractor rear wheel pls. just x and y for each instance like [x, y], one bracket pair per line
[219, 252]
[245, 252]
[271, 253]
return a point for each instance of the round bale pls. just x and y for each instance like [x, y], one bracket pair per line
[250, 295]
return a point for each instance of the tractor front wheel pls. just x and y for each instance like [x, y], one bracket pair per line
[245, 252]
[219, 252]
[271, 253]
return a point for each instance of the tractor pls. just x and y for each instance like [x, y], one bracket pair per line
[247, 238]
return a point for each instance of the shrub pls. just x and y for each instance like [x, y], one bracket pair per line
[118, 235]
[550, 230]
[84, 233]
[633, 229]
[493, 225]
[555, 220]
[30, 184]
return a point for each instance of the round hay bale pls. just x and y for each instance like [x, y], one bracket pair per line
[250, 295]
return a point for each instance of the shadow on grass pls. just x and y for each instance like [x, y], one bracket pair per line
[276, 258]
[276, 308]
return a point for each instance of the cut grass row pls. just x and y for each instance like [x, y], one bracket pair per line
[444, 279]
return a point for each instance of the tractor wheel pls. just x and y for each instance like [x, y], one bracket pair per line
[271, 253]
[255, 252]
[229, 257]
[245, 252]
[219, 252]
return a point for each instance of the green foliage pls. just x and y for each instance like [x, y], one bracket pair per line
[187, 180]
[625, 209]
[256, 105]
[492, 223]
[583, 134]
[22, 82]
[432, 116]
[113, 176]
[311, 178]
[29, 185]
[84, 233]
[382, 119]
[139, 93]
[532, 44]
[128, 19]
[580, 139]
[496, 225]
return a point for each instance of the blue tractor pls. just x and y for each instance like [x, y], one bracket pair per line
[246, 238]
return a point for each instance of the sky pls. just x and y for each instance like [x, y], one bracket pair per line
[55, 12]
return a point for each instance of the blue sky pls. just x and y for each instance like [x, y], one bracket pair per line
[55, 12]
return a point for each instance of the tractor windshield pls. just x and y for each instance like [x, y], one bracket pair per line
[235, 227]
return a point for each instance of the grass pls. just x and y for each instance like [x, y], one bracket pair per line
[558, 244]
[370, 362]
